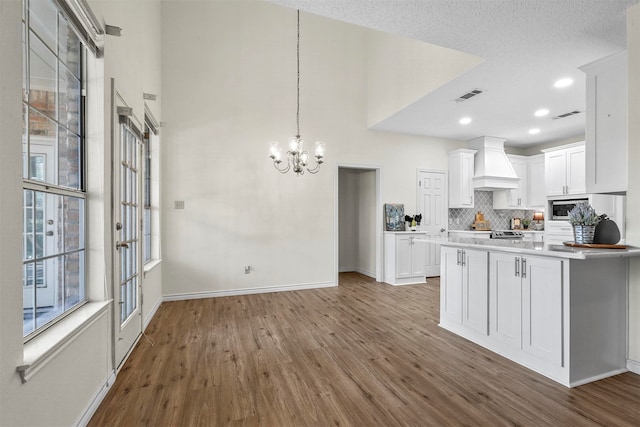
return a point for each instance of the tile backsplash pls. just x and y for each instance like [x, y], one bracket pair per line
[461, 219]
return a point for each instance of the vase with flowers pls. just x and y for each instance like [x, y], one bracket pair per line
[584, 220]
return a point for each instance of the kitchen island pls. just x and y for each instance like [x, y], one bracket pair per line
[558, 310]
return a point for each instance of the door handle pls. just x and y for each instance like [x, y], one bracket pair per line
[517, 266]
[463, 257]
[442, 230]
[458, 251]
[122, 245]
[524, 268]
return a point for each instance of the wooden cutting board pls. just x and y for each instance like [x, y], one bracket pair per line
[595, 245]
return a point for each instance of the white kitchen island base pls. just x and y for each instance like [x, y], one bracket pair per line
[561, 313]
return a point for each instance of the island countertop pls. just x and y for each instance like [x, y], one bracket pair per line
[534, 248]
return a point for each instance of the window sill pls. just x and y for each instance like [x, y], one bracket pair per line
[151, 264]
[43, 348]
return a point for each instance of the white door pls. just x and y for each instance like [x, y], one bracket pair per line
[127, 154]
[432, 204]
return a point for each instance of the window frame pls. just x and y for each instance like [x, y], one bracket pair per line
[74, 192]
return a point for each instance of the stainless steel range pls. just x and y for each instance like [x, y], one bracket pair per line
[506, 234]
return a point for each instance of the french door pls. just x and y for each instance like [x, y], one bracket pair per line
[127, 208]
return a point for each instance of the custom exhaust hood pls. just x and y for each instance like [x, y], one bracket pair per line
[493, 170]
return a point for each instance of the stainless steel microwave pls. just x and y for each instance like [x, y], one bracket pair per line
[560, 208]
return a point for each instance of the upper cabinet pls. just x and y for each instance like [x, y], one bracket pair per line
[530, 193]
[537, 197]
[516, 198]
[606, 130]
[565, 170]
[461, 171]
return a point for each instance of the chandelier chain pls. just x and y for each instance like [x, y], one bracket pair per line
[298, 81]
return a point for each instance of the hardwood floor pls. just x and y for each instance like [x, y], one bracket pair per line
[361, 354]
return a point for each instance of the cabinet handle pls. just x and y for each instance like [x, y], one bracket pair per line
[524, 268]
[458, 257]
[464, 255]
[517, 267]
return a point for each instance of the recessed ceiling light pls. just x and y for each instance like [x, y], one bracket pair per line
[567, 81]
[541, 112]
[534, 131]
[465, 120]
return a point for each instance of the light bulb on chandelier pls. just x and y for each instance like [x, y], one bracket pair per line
[297, 157]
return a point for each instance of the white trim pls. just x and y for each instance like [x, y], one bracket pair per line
[97, 399]
[357, 270]
[46, 346]
[248, 291]
[633, 366]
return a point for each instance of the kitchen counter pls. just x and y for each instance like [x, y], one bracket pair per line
[534, 248]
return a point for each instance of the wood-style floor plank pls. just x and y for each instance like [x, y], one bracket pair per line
[361, 354]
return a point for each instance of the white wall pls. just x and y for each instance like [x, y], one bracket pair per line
[229, 88]
[633, 193]
[357, 215]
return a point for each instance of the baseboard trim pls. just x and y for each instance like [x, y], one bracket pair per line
[357, 270]
[96, 400]
[248, 291]
[633, 366]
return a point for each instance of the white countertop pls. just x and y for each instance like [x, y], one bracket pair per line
[534, 248]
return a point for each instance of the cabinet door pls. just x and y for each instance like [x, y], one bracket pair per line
[555, 168]
[451, 285]
[518, 196]
[542, 308]
[418, 256]
[537, 199]
[461, 170]
[505, 299]
[606, 131]
[576, 171]
[475, 304]
[403, 256]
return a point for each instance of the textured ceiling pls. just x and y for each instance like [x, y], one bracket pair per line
[527, 44]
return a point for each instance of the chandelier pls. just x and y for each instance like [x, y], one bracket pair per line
[297, 158]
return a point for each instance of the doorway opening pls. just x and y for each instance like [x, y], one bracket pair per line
[359, 221]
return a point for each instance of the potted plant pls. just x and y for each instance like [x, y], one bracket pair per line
[525, 223]
[584, 219]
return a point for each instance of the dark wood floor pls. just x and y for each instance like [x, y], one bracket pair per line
[361, 354]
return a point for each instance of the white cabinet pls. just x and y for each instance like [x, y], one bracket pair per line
[461, 171]
[606, 130]
[405, 259]
[526, 305]
[535, 183]
[464, 289]
[516, 198]
[565, 170]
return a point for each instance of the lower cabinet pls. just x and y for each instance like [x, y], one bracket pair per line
[526, 305]
[464, 288]
[563, 318]
[405, 259]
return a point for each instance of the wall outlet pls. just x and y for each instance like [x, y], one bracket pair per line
[450, 221]
[178, 204]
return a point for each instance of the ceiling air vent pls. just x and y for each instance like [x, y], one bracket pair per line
[469, 95]
[562, 116]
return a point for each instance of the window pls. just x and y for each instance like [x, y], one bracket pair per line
[53, 166]
[146, 230]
